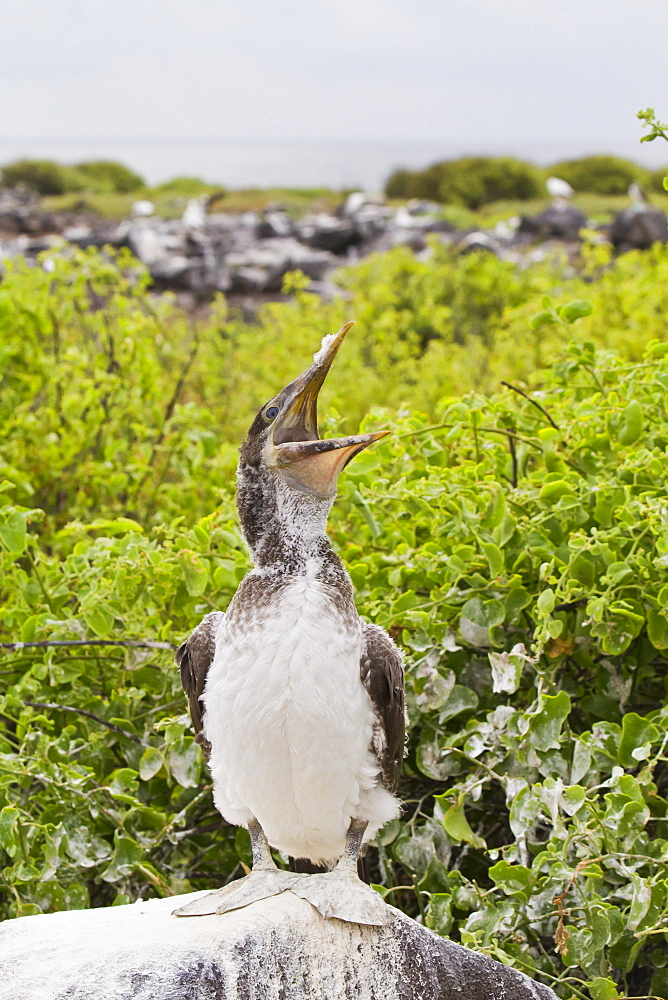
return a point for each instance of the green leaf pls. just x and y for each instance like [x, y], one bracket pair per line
[553, 491]
[123, 783]
[456, 824]
[541, 318]
[477, 617]
[575, 310]
[602, 988]
[150, 763]
[185, 763]
[640, 900]
[638, 734]
[127, 855]
[439, 914]
[517, 599]
[99, 619]
[546, 601]
[460, 699]
[632, 421]
[195, 572]
[494, 557]
[495, 510]
[8, 822]
[484, 613]
[545, 725]
[13, 534]
[515, 880]
[657, 629]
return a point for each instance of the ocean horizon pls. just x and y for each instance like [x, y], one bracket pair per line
[301, 163]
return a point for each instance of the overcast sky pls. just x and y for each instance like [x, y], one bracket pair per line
[473, 71]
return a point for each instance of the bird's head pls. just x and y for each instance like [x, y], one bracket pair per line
[283, 454]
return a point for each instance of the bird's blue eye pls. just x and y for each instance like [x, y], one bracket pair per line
[271, 412]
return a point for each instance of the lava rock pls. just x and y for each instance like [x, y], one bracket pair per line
[637, 228]
[262, 267]
[326, 232]
[275, 223]
[279, 947]
[559, 221]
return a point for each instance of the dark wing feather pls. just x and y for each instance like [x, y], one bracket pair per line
[194, 657]
[382, 673]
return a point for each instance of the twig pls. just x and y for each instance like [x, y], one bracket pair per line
[513, 458]
[168, 414]
[484, 430]
[13, 647]
[533, 402]
[570, 605]
[89, 715]
[561, 934]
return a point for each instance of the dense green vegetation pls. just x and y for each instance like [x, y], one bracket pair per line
[109, 189]
[601, 174]
[471, 181]
[47, 177]
[515, 544]
[477, 181]
[474, 191]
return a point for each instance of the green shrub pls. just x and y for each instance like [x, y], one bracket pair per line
[470, 181]
[188, 187]
[475, 181]
[516, 547]
[425, 328]
[105, 176]
[44, 176]
[400, 184]
[600, 174]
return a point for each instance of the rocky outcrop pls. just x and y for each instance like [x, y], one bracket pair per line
[276, 949]
[559, 221]
[247, 255]
[637, 228]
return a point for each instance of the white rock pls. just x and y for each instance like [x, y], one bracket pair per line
[277, 948]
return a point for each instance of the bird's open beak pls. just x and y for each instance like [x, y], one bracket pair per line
[295, 446]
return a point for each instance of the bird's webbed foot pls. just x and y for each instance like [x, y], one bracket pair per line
[341, 894]
[263, 881]
[259, 884]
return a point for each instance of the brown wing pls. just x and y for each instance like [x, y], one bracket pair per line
[194, 657]
[382, 673]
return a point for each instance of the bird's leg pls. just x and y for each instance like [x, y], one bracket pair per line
[341, 893]
[265, 879]
[262, 858]
[348, 861]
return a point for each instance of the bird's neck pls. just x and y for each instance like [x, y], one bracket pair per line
[286, 530]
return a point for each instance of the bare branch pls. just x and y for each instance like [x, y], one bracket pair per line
[89, 715]
[13, 647]
[532, 401]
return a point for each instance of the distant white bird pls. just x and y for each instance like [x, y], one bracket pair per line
[357, 200]
[638, 197]
[559, 188]
[142, 209]
[194, 215]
